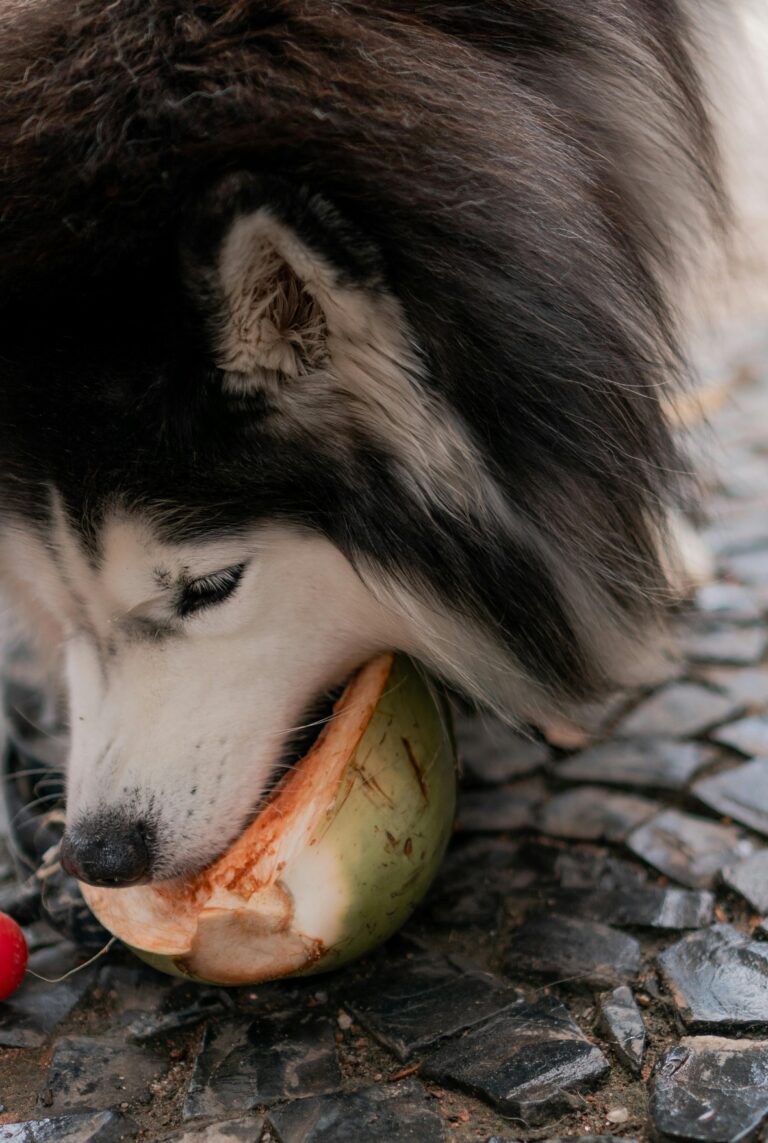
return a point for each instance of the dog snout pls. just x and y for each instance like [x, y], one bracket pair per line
[107, 851]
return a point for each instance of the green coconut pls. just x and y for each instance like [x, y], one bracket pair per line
[334, 863]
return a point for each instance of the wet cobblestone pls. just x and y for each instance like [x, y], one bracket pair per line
[623, 1024]
[375, 1114]
[528, 1061]
[243, 1130]
[103, 1127]
[681, 710]
[718, 979]
[591, 814]
[412, 1004]
[32, 1014]
[748, 735]
[741, 794]
[643, 764]
[93, 1073]
[572, 949]
[641, 906]
[750, 879]
[690, 850]
[592, 961]
[728, 646]
[711, 1090]
[273, 1057]
[502, 809]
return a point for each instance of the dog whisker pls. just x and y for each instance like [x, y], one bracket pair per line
[34, 804]
[32, 772]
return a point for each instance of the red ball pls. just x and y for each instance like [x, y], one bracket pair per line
[13, 956]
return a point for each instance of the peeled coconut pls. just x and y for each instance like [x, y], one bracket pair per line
[337, 859]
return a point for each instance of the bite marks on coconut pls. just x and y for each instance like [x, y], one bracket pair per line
[314, 881]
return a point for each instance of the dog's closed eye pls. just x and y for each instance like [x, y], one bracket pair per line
[208, 590]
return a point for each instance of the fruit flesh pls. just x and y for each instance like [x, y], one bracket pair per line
[340, 855]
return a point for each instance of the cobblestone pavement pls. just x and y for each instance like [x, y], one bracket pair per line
[593, 960]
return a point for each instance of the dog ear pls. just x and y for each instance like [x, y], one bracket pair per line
[281, 279]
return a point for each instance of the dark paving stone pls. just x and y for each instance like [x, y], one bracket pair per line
[467, 855]
[184, 1006]
[731, 602]
[148, 1004]
[40, 935]
[689, 849]
[478, 904]
[95, 1073]
[745, 477]
[579, 869]
[746, 687]
[574, 951]
[748, 735]
[390, 1113]
[134, 986]
[31, 1014]
[641, 906]
[491, 753]
[593, 1139]
[101, 1127]
[526, 1061]
[500, 808]
[620, 1019]
[742, 533]
[419, 1001]
[750, 879]
[7, 868]
[749, 567]
[245, 1129]
[682, 710]
[590, 813]
[241, 1065]
[718, 980]
[476, 877]
[658, 763]
[741, 794]
[711, 1090]
[725, 645]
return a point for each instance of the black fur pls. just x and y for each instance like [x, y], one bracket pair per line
[502, 161]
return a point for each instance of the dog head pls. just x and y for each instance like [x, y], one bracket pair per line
[241, 452]
[226, 495]
[224, 505]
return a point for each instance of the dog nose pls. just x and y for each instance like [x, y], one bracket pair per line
[106, 852]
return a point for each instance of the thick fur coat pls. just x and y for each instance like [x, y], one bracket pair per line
[394, 277]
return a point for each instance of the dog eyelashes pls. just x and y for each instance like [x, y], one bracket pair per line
[209, 590]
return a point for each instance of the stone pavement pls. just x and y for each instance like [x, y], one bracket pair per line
[593, 960]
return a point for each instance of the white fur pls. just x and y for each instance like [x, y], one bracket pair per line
[209, 708]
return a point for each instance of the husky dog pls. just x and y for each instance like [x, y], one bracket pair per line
[331, 327]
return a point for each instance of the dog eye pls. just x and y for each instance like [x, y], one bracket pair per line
[209, 590]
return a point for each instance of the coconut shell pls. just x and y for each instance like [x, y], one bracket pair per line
[334, 863]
